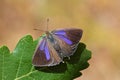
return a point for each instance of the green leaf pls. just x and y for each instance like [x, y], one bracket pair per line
[18, 64]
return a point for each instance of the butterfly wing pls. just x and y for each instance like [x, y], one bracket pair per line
[68, 40]
[54, 54]
[45, 54]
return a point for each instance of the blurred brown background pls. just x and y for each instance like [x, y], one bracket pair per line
[100, 20]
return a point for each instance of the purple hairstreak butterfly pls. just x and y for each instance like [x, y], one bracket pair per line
[55, 45]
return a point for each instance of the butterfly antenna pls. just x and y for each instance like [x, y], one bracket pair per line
[39, 30]
[47, 24]
[46, 27]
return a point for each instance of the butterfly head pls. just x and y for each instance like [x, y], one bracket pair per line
[47, 33]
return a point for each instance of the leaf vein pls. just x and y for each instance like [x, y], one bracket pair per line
[25, 75]
[19, 65]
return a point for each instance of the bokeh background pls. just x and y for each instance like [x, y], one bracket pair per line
[99, 19]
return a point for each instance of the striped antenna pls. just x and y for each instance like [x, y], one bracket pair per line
[39, 30]
[46, 27]
[47, 24]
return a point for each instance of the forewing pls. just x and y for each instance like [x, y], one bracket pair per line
[68, 40]
[42, 55]
[70, 36]
[45, 54]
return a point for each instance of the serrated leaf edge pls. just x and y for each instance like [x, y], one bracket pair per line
[3, 67]
[2, 47]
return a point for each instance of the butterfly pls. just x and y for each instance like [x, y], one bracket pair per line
[56, 45]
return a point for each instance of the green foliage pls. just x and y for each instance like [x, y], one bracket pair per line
[18, 64]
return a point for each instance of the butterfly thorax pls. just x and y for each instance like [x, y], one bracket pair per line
[49, 36]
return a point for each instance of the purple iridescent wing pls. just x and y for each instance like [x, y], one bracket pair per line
[45, 55]
[68, 40]
[42, 55]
